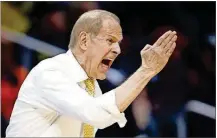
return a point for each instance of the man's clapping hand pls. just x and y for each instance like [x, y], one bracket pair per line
[154, 57]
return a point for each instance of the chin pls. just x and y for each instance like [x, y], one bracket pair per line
[101, 77]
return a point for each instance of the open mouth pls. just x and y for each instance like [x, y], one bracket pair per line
[106, 63]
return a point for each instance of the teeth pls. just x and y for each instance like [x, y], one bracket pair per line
[109, 59]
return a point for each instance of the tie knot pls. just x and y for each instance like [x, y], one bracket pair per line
[90, 86]
[89, 81]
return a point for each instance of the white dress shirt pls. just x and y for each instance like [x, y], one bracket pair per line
[53, 102]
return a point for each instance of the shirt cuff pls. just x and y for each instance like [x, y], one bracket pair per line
[108, 101]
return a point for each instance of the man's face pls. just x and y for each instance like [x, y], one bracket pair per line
[103, 49]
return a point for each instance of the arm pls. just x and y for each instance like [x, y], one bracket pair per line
[154, 58]
[129, 90]
[67, 98]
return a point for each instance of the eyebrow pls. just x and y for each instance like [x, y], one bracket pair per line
[113, 37]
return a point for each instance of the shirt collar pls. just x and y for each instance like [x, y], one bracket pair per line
[80, 74]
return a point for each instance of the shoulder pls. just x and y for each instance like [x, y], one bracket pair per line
[56, 63]
[52, 63]
[49, 65]
[60, 66]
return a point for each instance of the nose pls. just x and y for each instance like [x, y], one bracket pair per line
[116, 49]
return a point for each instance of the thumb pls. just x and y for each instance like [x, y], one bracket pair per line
[145, 48]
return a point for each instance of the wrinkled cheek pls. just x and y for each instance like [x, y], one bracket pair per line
[106, 51]
[101, 53]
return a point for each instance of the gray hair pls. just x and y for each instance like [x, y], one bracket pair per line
[90, 22]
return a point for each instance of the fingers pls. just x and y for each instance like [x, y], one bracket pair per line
[174, 38]
[162, 38]
[165, 44]
[168, 45]
[168, 39]
[170, 51]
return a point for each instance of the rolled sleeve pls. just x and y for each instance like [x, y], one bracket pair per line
[67, 98]
[108, 101]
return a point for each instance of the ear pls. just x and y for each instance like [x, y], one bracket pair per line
[83, 40]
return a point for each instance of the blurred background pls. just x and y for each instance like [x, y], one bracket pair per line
[178, 102]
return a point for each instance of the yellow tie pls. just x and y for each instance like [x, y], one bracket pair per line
[88, 130]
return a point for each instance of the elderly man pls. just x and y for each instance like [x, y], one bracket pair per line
[61, 97]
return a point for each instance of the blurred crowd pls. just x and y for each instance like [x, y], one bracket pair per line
[189, 74]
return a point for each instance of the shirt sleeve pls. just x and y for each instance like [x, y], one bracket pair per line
[67, 98]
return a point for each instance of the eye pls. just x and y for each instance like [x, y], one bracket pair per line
[110, 41]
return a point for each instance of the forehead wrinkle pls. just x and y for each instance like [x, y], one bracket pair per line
[112, 30]
[107, 32]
